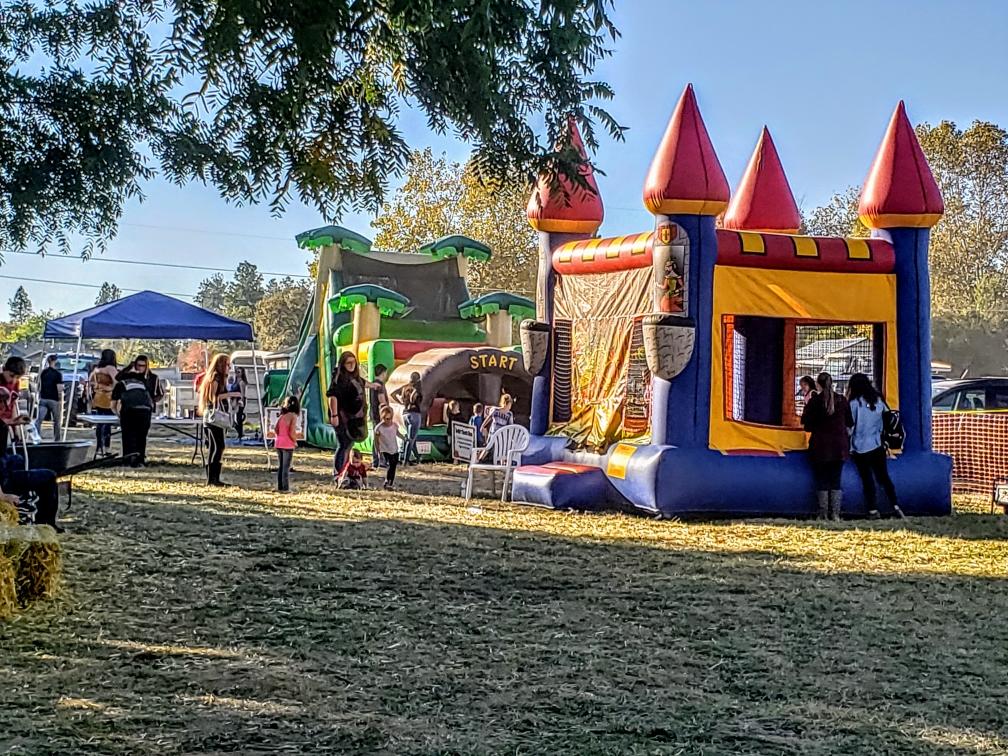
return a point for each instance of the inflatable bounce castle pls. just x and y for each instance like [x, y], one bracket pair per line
[666, 363]
[410, 312]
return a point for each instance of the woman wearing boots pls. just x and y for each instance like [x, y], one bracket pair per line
[826, 418]
[867, 449]
[348, 408]
[213, 400]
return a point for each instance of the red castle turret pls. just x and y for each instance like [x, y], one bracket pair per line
[685, 175]
[567, 208]
[900, 191]
[763, 200]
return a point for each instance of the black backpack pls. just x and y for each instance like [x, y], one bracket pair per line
[893, 433]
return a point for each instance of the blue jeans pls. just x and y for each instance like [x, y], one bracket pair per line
[103, 432]
[412, 420]
[286, 456]
[343, 446]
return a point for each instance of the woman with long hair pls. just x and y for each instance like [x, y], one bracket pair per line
[867, 450]
[826, 418]
[348, 407]
[102, 381]
[213, 397]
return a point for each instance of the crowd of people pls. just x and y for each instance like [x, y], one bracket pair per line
[841, 427]
[845, 427]
[353, 400]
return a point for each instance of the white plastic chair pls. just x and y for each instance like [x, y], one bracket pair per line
[503, 451]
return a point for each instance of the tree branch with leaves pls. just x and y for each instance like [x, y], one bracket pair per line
[269, 102]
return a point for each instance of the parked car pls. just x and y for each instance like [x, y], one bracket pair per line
[73, 368]
[970, 395]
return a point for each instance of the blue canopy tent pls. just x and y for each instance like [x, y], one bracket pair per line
[149, 315]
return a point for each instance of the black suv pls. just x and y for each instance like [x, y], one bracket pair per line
[970, 394]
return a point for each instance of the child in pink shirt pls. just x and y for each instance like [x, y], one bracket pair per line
[286, 439]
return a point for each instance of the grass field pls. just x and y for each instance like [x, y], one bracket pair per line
[237, 621]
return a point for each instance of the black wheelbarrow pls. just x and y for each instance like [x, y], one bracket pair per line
[69, 458]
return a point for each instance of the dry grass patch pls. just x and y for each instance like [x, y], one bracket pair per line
[237, 620]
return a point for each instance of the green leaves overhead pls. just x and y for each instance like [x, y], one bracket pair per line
[270, 102]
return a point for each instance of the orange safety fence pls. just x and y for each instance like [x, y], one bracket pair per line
[978, 445]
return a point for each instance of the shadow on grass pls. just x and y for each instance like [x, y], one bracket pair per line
[184, 629]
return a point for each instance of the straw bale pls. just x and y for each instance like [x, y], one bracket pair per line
[35, 555]
[8, 513]
[8, 592]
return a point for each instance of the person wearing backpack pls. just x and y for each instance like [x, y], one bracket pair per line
[868, 448]
[133, 402]
[826, 417]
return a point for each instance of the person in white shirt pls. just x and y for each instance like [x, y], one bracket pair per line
[867, 450]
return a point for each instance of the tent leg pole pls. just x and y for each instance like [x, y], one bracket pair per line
[73, 388]
[259, 396]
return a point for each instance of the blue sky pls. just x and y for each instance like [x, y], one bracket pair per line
[824, 77]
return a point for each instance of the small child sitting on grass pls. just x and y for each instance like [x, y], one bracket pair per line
[386, 444]
[354, 473]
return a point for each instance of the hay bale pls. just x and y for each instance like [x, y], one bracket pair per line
[8, 591]
[8, 513]
[35, 555]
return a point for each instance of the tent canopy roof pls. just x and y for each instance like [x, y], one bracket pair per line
[148, 315]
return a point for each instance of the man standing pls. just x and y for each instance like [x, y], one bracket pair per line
[50, 397]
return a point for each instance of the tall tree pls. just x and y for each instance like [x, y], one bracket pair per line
[278, 315]
[244, 292]
[108, 292]
[212, 293]
[20, 306]
[441, 197]
[294, 99]
[969, 248]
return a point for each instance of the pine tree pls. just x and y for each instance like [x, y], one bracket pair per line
[109, 292]
[20, 306]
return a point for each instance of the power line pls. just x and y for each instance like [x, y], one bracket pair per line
[170, 293]
[85, 285]
[169, 265]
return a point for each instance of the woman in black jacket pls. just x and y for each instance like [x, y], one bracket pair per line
[827, 417]
[133, 400]
[348, 408]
